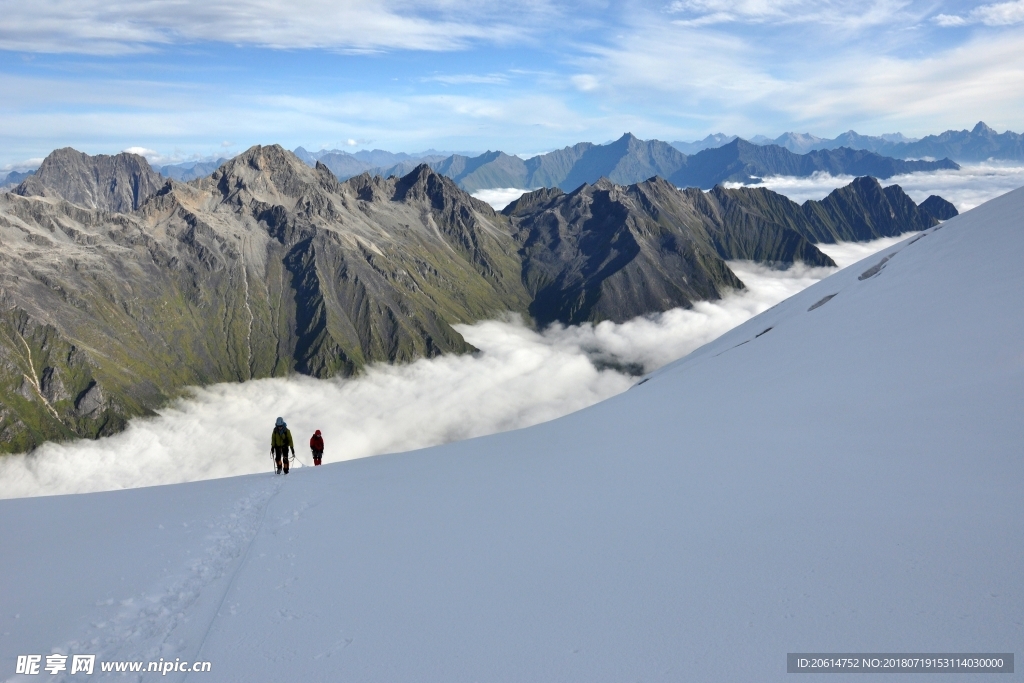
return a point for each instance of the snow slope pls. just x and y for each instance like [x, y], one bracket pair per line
[842, 479]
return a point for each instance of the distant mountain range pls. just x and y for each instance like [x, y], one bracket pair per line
[630, 160]
[627, 160]
[345, 165]
[119, 288]
[190, 170]
[979, 144]
[14, 178]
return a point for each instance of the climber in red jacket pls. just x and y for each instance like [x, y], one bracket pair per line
[316, 444]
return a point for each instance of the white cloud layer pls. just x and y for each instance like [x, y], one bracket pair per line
[972, 185]
[519, 378]
[500, 197]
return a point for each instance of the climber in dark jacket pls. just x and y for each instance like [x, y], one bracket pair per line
[280, 442]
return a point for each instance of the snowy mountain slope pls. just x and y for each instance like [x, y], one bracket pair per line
[834, 478]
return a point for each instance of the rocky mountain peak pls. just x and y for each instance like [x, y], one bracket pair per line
[269, 173]
[531, 200]
[655, 183]
[939, 208]
[371, 188]
[419, 182]
[120, 182]
[981, 128]
[426, 185]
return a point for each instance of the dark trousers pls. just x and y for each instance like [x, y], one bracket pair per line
[281, 456]
[316, 457]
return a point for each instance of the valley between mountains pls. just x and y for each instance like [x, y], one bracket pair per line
[118, 289]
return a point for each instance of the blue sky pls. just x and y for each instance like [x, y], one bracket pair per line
[199, 78]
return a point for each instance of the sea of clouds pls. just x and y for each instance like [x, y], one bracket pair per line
[968, 187]
[520, 377]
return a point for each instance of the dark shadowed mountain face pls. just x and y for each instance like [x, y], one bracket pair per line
[605, 251]
[269, 267]
[113, 183]
[861, 211]
[939, 208]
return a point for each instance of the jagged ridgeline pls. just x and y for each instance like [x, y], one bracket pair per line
[118, 290]
[264, 268]
[608, 252]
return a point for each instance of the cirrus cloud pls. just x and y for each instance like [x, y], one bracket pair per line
[996, 14]
[121, 26]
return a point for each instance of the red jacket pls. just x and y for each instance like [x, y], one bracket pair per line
[316, 443]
